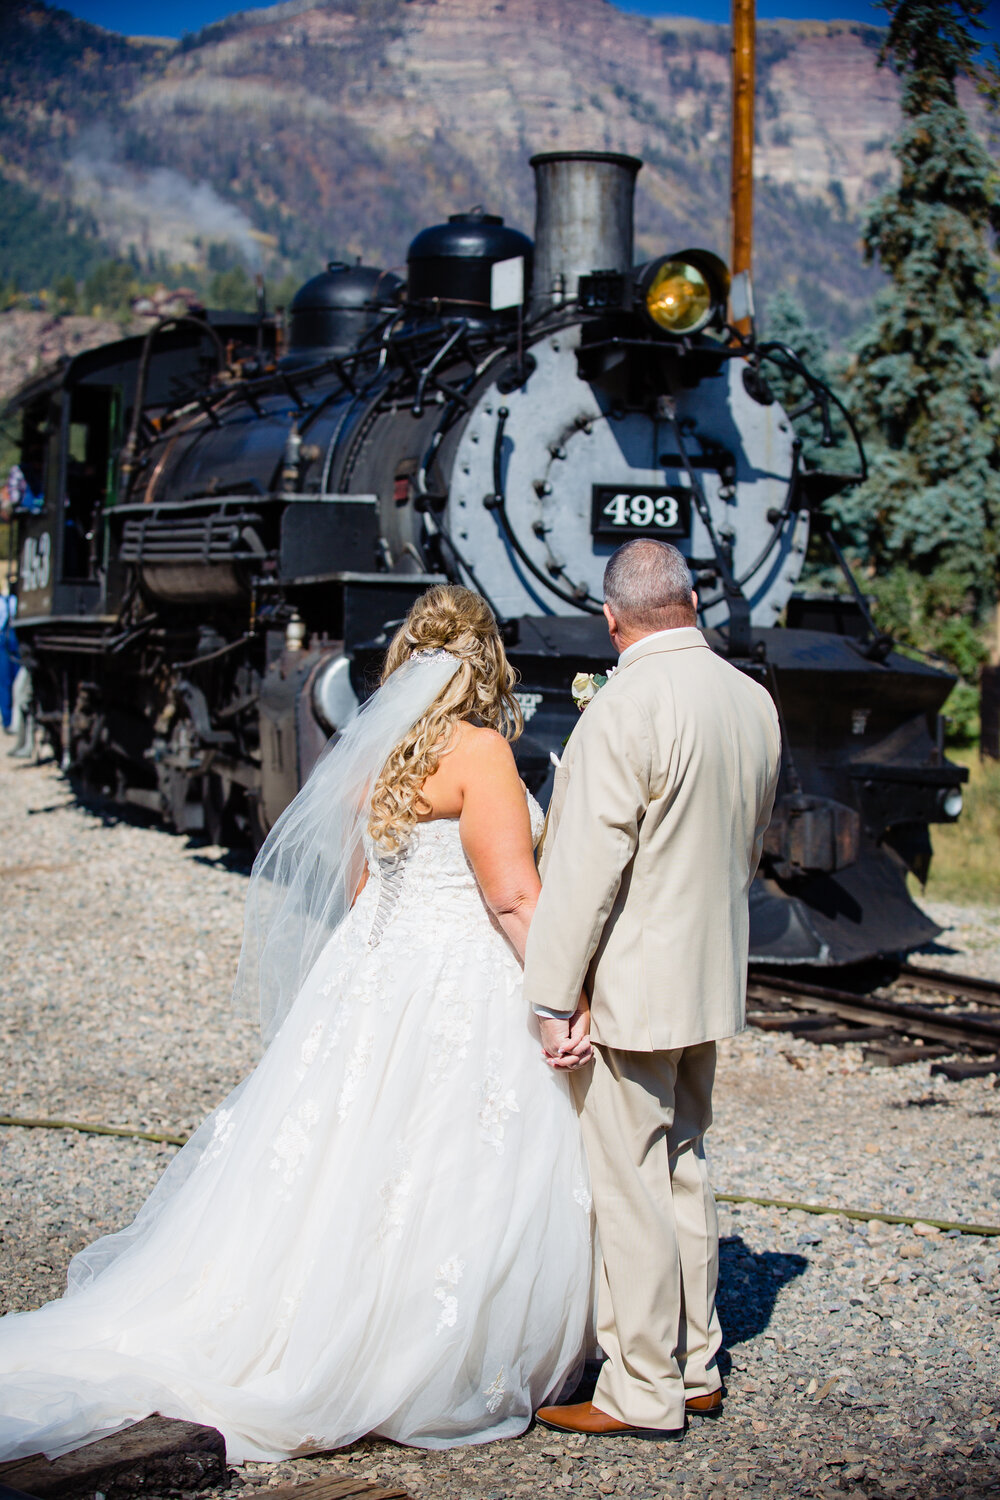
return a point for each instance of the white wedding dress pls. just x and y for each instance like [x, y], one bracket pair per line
[384, 1229]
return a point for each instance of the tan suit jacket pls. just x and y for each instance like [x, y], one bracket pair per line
[655, 830]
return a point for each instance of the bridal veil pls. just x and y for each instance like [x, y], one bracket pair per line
[310, 865]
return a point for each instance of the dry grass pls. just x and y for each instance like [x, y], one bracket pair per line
[966, 864]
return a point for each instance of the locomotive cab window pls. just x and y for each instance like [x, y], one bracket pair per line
[93, 422]
[31, 427]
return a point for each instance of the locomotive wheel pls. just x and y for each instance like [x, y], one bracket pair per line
[224, 812]
[213, 801]
[180, 788]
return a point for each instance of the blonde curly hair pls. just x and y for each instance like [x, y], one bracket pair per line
[454, 619]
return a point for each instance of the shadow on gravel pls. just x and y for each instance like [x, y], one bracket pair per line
[108, 813]
[232, 861]
[748, 1288]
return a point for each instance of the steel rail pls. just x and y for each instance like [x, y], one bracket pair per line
[864, 1214]
[980, 1033]
[129, 1132]
[986, 991]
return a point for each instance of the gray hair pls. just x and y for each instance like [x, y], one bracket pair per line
[647, 586]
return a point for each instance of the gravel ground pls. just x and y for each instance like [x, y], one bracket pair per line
[968, 944]
[860, 1359]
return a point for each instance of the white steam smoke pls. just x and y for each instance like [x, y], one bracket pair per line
[155, 210]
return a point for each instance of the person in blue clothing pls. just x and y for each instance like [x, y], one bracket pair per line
[9, 658]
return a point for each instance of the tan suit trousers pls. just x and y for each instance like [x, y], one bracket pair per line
[644, 1117]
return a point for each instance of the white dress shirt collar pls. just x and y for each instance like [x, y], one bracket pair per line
[658, 635]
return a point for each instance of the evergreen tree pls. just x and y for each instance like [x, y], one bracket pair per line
[923, 385]
[109, 288]
[787, 322]
[928, 517]
[233, 290]
[824, 445]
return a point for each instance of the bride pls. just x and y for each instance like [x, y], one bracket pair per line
[386, 1227]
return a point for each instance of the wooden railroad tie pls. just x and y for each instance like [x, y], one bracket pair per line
[329, 1489]
[896, 1032]
[155, 1457]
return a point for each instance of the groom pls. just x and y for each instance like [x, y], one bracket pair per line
[655, 830]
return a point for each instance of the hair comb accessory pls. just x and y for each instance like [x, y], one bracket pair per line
[433, 653]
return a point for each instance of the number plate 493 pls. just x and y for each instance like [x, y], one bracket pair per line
[630, 510]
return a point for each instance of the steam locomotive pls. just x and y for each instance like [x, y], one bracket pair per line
[220, 529]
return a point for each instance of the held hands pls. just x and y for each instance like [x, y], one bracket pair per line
[566, 1044]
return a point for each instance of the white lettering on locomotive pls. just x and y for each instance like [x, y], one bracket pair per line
[35, 562]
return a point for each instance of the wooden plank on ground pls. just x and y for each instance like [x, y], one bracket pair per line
[959, 1070]
[151, 1457]
[839, 1036]
[333, 1488]
[894, 1057]
[775, 1021]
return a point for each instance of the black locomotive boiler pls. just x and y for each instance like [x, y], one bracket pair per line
[224, 530]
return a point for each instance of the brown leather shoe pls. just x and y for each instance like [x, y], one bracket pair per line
[584, 1416]
[705, 1406]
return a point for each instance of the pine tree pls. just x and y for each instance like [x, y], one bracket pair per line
[787, 322]
[928, 518]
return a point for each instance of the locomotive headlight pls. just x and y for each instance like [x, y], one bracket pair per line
[681, 294]
[678, 298]
[951, 803]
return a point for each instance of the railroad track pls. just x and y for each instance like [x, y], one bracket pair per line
[909, 1014]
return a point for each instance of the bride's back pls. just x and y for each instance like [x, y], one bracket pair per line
[477, 783]
[474, 779]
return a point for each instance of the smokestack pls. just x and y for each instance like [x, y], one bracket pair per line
[583, 220]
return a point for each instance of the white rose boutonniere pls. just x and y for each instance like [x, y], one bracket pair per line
[586, 686]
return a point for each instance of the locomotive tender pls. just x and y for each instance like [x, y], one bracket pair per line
[228, 529]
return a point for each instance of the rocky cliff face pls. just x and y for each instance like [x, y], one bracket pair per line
[31, 341]
[342, 126]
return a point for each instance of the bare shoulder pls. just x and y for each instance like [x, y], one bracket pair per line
[485, 746]
[482, 758]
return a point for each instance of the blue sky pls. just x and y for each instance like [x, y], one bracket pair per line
[188, 15]
[178, 16]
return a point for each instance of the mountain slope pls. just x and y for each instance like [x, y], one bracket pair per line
[342, 126]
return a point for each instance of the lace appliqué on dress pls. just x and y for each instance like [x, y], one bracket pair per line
[496, 1104]
[292, 1141]
[448, 1276]
[495, 1391]
[394, 1193]
[354, 1074]
[451, 1027]
[221, 1131]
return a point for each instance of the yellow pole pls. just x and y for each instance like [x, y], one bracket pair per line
[741, 192]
